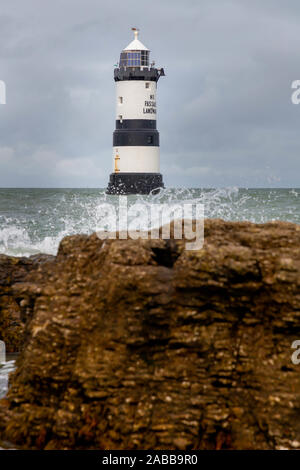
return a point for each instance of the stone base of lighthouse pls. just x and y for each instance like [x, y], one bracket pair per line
[134, 183]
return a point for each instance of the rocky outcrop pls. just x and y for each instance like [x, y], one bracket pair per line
[142, 344]
[14, 270]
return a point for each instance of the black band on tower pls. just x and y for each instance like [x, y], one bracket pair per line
[136, 124]
[134, 183]
[143, 138]
[132, 73]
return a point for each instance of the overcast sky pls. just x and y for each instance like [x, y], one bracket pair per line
[225, 114]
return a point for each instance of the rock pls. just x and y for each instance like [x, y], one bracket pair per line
[14, 270]
[141, 344]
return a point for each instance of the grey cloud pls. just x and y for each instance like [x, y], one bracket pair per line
[225, 114]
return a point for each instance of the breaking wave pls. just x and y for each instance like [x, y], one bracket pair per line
[35, 220]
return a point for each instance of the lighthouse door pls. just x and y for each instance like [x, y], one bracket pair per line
[117, 161]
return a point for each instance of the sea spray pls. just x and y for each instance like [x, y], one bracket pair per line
[2, 352]
[35, 220]
[7, 365]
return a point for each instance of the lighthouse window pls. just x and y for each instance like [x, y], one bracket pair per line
[123, 59]
[147, 85]
[120, 118]
[131, 59]
[120, 99]
[134, 59]
[150, 139]
[145, 58]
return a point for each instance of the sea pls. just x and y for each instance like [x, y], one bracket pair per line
[35, 220]
[7, 366]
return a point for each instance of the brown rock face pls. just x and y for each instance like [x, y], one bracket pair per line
[14, 270]
[141, 344]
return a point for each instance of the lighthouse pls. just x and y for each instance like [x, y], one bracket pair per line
[136, 165]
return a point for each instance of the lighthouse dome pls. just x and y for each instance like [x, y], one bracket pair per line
[136, 45]
[135, 54]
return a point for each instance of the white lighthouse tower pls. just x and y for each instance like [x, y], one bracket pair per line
[136, 139]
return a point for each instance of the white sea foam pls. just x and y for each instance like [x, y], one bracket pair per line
[35, 221]
[5, 370]
[2, 352]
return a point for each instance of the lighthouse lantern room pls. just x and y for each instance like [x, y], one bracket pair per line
[136, 139]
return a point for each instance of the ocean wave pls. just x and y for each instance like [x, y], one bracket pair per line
[35, 221]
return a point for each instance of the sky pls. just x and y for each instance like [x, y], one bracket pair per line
[225, 114]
